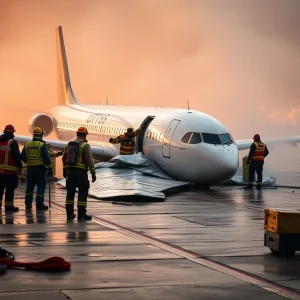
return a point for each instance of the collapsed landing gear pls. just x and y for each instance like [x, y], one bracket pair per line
[286, 253]
[202, 186]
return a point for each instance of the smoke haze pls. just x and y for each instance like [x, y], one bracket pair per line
[235, 60]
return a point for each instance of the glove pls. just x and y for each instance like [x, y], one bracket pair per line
[94, 178]
[50, 173]
[111, 140]
[60, 153]
[65, 174]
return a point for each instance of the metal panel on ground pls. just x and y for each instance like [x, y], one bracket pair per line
[130, 175]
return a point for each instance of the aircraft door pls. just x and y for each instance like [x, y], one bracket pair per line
[140, 137]
[168, 137]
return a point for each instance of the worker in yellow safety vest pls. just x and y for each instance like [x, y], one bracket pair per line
[36, 156]
[127, 141]
[77, 160]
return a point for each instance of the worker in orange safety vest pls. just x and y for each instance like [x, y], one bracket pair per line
[258, 152]
[127, 141]
[10, 166]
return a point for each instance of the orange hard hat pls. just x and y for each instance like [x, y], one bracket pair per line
[82, 130]
[37, 131]
[9, 128]
[256, 136]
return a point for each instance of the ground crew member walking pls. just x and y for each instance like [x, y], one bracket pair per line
[257, 154]
[127, 141]
[77, 159]
[36, 156]
[10, 165]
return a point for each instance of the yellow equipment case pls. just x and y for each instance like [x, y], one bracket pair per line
[282, 231]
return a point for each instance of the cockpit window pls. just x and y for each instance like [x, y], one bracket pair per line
[226, 139]
[192, 138]
[211, 138]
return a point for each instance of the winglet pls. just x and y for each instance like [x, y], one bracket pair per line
[65, 92]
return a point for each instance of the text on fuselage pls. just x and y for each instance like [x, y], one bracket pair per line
[97, 118]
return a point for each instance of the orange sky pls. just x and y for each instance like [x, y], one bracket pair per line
[236, 60]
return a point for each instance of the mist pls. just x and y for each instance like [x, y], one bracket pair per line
[235, 60]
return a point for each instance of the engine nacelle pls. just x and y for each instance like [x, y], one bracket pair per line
[43, 121]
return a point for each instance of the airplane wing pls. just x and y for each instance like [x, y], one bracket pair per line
[290, 140]
[101, 151]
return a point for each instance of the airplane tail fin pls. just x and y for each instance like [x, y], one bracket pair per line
[65, 92]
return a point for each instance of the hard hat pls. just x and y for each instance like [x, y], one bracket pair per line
[9, 128]
[82, 130]
[256, 137]
[38, 131]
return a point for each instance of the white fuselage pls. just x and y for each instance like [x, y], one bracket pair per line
[199, 157]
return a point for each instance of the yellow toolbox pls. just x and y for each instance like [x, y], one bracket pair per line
[282, 221]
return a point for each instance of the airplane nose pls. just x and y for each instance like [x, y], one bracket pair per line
[225, 161]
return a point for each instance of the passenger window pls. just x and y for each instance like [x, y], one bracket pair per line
[211, 138]
[161, 137]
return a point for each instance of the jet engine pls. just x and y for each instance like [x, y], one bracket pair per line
[43, 121]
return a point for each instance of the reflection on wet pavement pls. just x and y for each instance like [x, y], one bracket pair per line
[224, 225]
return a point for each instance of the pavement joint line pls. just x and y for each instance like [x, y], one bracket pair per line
[225, 269]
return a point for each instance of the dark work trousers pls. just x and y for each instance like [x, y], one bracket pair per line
[77, 178]
[36, 176]
[8, 183]
[255, 166]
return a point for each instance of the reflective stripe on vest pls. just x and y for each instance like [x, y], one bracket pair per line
[34, 154]
[259, 153]
[7, 161]
[127, 147]
[81, 164]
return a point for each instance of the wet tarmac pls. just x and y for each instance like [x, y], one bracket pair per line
[194, 245]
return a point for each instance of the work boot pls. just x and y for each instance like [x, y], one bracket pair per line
[70, 211]
[71, 217]
[84, 217]
[258, 187]
[11, 208]
[248, 187]
[41, 207]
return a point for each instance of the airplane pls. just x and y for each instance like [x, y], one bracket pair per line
[187, 145]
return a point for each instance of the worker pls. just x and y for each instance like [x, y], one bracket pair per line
[127, 141]
[77, 159]
[53, 153]
[36, 156]
[258, 152]
[10, 166]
